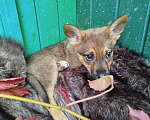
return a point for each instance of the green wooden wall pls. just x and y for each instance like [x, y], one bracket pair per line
[39, 23]
[36, 23]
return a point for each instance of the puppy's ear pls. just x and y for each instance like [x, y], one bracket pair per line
[75, 35]
[117, 27]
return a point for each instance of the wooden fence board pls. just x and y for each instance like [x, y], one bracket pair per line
[133, 33]
[47, 20]
[146, 52]
[84, 14]
[2, 31]
[28, 23]
[103, 12]
[67, 15]
[10, 21]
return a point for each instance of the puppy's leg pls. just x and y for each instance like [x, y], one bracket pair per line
[52, 80]
[43, 74]
[38, 87]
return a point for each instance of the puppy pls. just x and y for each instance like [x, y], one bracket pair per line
[92, 48]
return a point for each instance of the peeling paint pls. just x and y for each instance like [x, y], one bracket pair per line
[135, 9]
[109, 22]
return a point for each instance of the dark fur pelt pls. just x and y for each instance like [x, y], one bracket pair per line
[12, 64]
[132, 69]
[132, 87]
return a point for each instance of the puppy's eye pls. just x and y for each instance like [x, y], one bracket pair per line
[108, 55]
[89, 57]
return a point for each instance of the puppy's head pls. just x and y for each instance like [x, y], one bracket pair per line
[94, 47]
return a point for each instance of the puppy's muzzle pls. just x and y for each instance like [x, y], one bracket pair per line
[99, 74]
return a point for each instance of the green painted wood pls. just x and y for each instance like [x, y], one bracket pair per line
[2, 31]
[5, 19]
[133, 33]
[117, 9]
[91, 13]
[67, 14]
[10, 21]
[145, 32]
[146, 52]
[104, 12]
[84, 14]
[28, 23]
[47, 19]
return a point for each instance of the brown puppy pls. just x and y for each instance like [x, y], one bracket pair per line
[92, 48]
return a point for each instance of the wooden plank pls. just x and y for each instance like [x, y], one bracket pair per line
[5, 19]
[117, 9]
[2, 31]
[133, 33]
[104, 12]
[10, 20]
[144, 33]
[47, 18]
[84, 11]
[28, 23]
[67, 14]
[146, 52]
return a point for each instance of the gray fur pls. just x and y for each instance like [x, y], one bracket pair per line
[12, 59]
[12, 65]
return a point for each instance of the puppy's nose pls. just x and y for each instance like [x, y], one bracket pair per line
[101, 73]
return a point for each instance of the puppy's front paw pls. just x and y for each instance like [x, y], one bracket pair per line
[61, 65]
